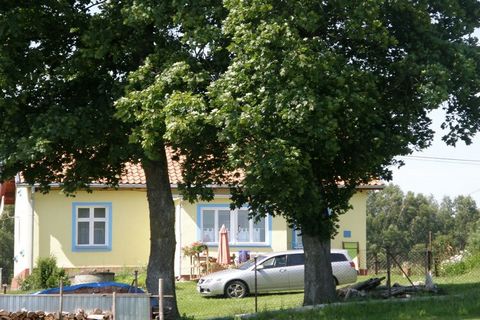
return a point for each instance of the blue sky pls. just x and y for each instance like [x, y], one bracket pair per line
[425, 172]
[442, 170]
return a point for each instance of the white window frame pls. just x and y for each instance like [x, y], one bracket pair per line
[233, 227]
[91, 226]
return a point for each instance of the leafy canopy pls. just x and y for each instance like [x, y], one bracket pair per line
[321, 96]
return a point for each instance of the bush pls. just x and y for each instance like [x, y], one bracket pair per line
[455, 268]
[45, 275]
[473, 242]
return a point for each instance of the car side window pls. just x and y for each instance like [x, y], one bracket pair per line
[297, 259]
[275, 262]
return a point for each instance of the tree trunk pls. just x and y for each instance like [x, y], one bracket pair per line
[162, 233]
[319, 281]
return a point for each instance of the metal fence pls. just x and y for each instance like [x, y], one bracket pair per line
[406, 268]
[127, 306]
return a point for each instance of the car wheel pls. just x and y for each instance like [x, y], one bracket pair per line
[236, 289]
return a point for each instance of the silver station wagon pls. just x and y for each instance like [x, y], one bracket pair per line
[276, 271]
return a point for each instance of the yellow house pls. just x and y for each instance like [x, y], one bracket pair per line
[109, 229]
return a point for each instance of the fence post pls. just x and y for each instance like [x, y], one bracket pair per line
[389, 283]
[160, 299]
[114, 305]
[376, 263]
[256, 284]
[60, 312]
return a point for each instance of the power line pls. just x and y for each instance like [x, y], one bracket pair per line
[443, 160]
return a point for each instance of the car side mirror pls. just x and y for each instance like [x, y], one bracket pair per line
[260, 267]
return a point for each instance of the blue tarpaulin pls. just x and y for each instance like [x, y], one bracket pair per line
[92, 285]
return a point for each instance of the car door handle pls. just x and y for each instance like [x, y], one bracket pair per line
[282, 270]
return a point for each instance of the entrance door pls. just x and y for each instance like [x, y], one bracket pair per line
[353, 249]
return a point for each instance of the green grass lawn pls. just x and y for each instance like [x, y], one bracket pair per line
[192, 304]
[459, 299]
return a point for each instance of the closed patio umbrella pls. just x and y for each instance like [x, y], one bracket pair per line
[223, 247]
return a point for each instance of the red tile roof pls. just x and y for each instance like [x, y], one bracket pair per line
[134, 174]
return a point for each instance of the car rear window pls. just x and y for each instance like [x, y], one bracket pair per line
[336, 257]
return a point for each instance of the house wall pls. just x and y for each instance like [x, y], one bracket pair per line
[23, 242]
[130, 229]
[353, 228]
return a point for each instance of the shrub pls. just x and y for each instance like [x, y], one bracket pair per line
[455, 267]
[473, 242]
[45, 275]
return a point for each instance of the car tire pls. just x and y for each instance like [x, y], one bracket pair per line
[236, 289]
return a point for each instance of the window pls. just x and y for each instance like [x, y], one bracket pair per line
[297, 259]
[297, 242]
[275, 262]
[91, 226]
[337, 257]
[241, 230]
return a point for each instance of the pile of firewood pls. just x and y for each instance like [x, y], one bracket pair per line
[372, 288]
[80, 314]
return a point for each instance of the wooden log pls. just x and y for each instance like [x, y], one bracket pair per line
[96, 317]
[49, 316]
[4, 313]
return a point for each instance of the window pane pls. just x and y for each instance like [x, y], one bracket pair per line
[297, 259]
[83, 212]
[336, 257]
[259, 231]
[82, 235]
[208, 231]
[298, 239]
[224, 219]
[99, 232]
[99, 212]
[243, 232]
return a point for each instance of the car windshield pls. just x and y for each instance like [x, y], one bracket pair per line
[250, 263]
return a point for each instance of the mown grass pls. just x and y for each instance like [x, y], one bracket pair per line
[459, 298]
[443, 307]
[191, 304]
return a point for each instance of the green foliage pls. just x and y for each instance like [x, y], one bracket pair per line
[466, 216]
[6, 244]
[468, 263]
[45, 275]
[403, 222]
[453, 268]
[473, 245]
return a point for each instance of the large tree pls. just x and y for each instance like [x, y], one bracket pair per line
[63, 64]
[321, 96]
